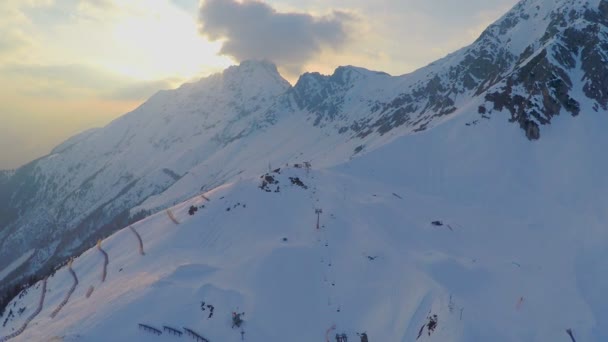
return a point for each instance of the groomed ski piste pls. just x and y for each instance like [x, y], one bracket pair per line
[511, 251]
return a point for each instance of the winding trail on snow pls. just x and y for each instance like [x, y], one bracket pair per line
[141, 242]
[106, 261]
[67, 296]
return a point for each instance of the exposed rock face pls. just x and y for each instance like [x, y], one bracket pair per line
[548, 75]
[529, 63]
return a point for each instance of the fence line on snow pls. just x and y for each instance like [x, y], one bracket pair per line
[195, 336]
[150, 329]
[90, 291]
[30, 318]
[141, 242]
[106, 261]
[67, 296]
[171, 216]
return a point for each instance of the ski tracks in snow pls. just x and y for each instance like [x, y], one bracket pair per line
[211, 235]
[418, 318]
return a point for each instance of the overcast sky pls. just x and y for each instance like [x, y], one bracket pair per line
[68, 65]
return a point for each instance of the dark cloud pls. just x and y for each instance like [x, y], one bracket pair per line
[254, 30]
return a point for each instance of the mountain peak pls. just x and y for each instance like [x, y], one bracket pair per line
[530, 21]
[251, 67]
[550, 45]
[255, 75]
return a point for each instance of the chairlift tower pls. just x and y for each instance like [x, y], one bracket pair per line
[318, 212]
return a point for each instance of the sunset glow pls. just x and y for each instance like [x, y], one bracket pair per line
[69, 65]
[157, 46]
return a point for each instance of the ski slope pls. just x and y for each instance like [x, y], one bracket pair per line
[518, 255]
[541, 60]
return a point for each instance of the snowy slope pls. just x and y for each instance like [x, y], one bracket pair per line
[521, 253]
[86, 187]
[540, 60]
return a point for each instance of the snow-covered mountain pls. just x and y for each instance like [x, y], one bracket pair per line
[86, 187]
[541, 59]
[512, 251]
